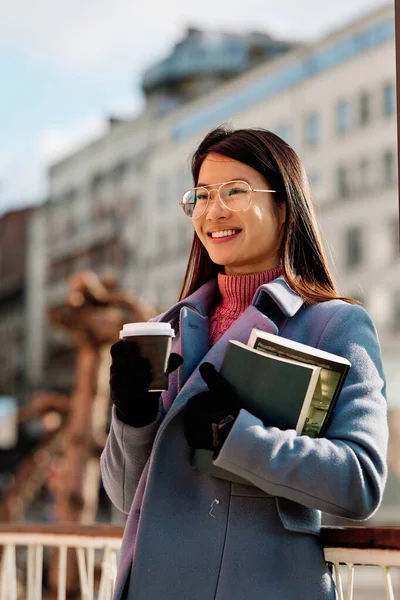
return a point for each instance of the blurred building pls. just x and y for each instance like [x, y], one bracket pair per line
[204, 60]
[69, 235]
[115, 202]
[13, 302]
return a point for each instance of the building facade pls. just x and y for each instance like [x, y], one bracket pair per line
[14, 227]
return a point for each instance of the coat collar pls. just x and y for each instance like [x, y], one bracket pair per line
[201, 301]
[286, 300]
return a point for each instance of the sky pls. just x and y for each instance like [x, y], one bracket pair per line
[66, 66]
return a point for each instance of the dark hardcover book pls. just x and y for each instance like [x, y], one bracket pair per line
[333, 373]
[275, 389]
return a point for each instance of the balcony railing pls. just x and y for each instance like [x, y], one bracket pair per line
[362, 546]
[24, 546]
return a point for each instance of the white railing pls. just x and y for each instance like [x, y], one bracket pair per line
[91, 552]
[24, 547]
[348, 547]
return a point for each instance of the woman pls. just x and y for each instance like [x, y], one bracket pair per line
[256, 261]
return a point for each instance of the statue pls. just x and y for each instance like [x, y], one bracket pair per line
[94, 312]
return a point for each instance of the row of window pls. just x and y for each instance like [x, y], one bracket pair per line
[348, 115]
[77, 219]
[356, 244]
[365, 174]
[101, 182]
[360, 112]
[111, 254]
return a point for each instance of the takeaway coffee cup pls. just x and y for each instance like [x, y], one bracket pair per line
[154, 340]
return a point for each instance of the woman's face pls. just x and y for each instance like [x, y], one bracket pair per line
[255, 243]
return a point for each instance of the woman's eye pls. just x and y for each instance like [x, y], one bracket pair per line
[201, 197]
[236, 190]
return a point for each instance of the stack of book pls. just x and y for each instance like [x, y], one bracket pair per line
[284, 383]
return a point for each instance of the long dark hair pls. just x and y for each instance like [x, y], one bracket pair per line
[303, 260]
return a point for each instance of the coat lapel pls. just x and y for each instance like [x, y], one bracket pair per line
[240, 331]
[192, 343]
[190, 321]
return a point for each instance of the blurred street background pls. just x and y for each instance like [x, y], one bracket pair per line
[101, 108]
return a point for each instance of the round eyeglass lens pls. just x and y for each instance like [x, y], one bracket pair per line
[194, 202]
[236, 195]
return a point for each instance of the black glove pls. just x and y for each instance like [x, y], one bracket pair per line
[209, 416]
[130, 377]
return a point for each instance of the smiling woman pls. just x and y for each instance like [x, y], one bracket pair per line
[256, 262]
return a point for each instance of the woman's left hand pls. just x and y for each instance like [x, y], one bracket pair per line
[209, 416]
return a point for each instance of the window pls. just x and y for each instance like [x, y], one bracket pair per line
[354, 250]
[389, 99]
[396, 312]
[364, 175]
[97, 183]
[184, 234]
[389, 167]
[365, 108]
[343, 181]
[119, 172]
[313, 129]
[395, 236]
[314, 178]
[183, 182]
[163, 191]
[343, 116]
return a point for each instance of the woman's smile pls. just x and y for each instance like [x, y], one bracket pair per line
[221, 236]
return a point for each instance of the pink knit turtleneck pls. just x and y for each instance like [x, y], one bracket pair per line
[237, 293]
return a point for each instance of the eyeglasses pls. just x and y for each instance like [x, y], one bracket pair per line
[234, 195]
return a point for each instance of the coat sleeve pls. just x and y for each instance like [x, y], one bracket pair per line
[343, 473]
[124, 457]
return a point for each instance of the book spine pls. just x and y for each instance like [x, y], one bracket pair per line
[293, 354]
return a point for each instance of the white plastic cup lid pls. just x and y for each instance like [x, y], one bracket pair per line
[132, 329]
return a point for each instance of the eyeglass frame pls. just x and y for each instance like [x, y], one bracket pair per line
[201, 187]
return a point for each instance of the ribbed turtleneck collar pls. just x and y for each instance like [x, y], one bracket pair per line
[237, 291]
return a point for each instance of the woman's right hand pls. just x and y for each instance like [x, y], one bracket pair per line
[130, 377]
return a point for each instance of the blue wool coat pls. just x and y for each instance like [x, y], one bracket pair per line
[195, 537]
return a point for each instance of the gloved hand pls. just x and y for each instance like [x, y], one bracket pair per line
[209, 416]
[130, 377]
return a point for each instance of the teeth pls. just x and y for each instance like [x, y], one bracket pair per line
[219, 234]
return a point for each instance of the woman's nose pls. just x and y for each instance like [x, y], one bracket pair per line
[215, 207]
